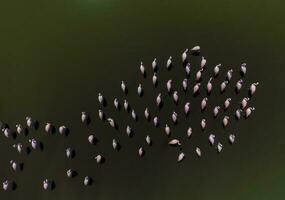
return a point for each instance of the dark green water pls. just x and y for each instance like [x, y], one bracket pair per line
[55, 56]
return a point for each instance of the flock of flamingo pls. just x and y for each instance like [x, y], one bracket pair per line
[243, 110]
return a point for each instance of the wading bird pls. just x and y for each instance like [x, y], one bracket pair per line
[216, 111]
[204, 103]
[184, 56]
[209, 86]
[154, 79]
[239, 85]
[229, 75]
[180, 157]
[252, 88]
[212, 139]
[217, 70]
[198, 152]
[189, 132]
[243, 69]
[232, 138]
[248, 111]
[142, 69]
[225, 121]
[154, 65]
[169, 63]
[195, 50]
[167, 130]
[174, 142]
[227, 103]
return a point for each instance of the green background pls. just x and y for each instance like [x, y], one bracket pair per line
[55, 56]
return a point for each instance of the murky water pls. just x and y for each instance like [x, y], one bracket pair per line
[57, 56]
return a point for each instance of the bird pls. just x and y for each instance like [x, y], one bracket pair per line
[239, 85]
[189, 132]
[196, 88]
[7, 132]
[169, 85]
[34, 143]
[69, 152]
[181, 157]
[217, 70]
[140, 90]
[225, 121]
[184, 84]
[187, 69]
[14, 165]
[212, 139]
[227, 103]
[18, 147]
[204, 103]
[47, 184]
[216, 111]
[243, 69]
[141, 152]
[19, 129]
[155, 121]
[158, 100]
[6, 185]
[101, 114]
[30, 122]
[154, 65]
[154, 79]
[129, 131]
[100, 98]
[198, 152]
[184, 56]
[146, 113]
[219, 147]
[198, 75]
[142, 69]
[115, 144]
[148, 140]
[49, 128]
[252, 88]
[175, 97]
[209, 86]
[126, 105]
[116, 103]
[167, 130]
[238, 114]
[229, 74]
[223, 86]
[87, 180]
[91, 139]
[134, 115]
[187, 108]
[174, 117]
[169, 63]
[248, 111]
[203, 124]
[111, 122]
[99, 158]
[232, 138]
[195, 50]
[243, 102]
[70, 173]
[174, 142]
[84, 118]
[63, 130]
[203, 62]
[124, 87]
